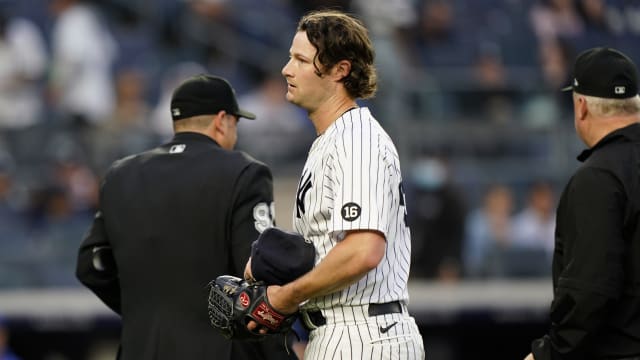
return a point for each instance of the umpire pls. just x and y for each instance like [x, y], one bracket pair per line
[595, 313]
[173, 218]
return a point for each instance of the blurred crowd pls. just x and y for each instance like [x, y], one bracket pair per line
[83, 83]
[507, 234]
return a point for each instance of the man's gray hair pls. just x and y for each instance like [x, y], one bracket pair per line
[611, 107]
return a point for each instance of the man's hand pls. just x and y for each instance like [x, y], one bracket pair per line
[233, 300]
[279, 300]
[529, 357]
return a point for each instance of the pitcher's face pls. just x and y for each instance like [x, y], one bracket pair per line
[305, 87]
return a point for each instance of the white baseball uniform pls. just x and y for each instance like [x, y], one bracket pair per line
[351, 181]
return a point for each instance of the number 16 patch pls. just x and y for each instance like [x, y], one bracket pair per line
[351, 211]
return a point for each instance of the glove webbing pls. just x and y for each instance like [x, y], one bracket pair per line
[220, 311]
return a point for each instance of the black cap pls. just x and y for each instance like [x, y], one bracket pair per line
[205, 95]
[605, 73]
[279, 257]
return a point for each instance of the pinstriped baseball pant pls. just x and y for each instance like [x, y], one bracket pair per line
[351, 334]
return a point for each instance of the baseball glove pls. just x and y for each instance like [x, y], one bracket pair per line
[233, 302]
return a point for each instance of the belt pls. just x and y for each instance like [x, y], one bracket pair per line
[312, 319]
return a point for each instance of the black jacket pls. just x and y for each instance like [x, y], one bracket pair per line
[177, 217]
[595, 313]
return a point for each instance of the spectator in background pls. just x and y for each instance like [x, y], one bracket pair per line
[546, 108]
[284, 134]
[598, 25]
[534, 226]
[437, 41]
[554, 57]
[389, 24]
[55, 235]
[202, 19]
[257, 25]
[533, 234]
[436, 220]
[83, 54]
[61, 208]
[128, 131]
[23, 61]
[490, 95]
[556, 24]
[553, 19]
[488, 233]
[79, 181]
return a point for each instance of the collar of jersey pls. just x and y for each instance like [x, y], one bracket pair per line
[341, 119]
[629, 132]
[192, 136]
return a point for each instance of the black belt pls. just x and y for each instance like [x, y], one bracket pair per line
[316, 318]
[393, 307]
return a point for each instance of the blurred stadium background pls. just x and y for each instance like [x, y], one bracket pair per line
[469, 91]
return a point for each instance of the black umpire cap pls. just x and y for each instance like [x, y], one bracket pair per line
[205, 95]
[605, 73]
[279, 257]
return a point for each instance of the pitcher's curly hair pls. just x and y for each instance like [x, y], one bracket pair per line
[338, 36]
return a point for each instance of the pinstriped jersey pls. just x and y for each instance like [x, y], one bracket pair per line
[352, 181]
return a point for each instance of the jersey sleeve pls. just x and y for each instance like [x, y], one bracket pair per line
[105, 283]
[253, 212]
[361, 183]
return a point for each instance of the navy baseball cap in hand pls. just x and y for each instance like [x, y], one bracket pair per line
[205, 95]
[605, 73]
[279, 257]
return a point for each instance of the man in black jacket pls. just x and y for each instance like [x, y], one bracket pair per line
[595, 313]
[172, 219]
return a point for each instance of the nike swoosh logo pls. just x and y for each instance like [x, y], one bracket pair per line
[385, 329]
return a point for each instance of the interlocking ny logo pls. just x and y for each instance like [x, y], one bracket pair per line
[304, 186]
